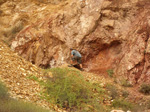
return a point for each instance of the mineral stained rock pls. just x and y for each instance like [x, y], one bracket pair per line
[110, 34]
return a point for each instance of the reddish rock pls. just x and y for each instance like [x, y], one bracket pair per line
[109, 34]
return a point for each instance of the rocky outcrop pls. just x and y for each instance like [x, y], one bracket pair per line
[111, 35]
[121, 47]
[48, 40]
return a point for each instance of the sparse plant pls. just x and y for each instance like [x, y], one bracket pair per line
[19, 26]
[8, 104]
[113, 91]
[126, 83]
[32, 77]
[148, 104]
[123, 104]
[145, 89]
[110, 72]
[6, 41]
[125, 93]
[68, 89]
[3, 92]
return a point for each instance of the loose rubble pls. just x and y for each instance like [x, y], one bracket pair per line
[14, 72]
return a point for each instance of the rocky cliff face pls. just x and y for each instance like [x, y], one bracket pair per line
[110, 34]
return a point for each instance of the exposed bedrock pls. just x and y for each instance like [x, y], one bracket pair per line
[109, 34]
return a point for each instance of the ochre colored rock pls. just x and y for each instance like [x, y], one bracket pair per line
[110, 34]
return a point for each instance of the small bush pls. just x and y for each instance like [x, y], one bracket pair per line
[110, 72]
[113, 91]
[32, 77]
[119, 103]
[148, 104]
[125, 94]
[126, 83]
[68, 89]
[17, 27]
[145, 89]
[3, 92]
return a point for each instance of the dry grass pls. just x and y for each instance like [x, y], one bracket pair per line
[8, 104]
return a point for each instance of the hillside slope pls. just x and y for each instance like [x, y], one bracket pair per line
[112, 35]
[14, 72]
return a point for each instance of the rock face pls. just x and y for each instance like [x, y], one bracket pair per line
[111, 35]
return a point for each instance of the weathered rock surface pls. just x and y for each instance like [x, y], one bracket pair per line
[109, 34]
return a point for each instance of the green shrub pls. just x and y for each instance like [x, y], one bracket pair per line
[113, 91]
[148, 104]
[120, 103]
[68, 89]
[3, 92]
[125, 94]
[126, 83]
[32, 77]
[110, 72]
[126, 105]
[145, 88]
[19, 106]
